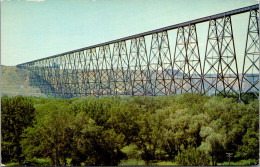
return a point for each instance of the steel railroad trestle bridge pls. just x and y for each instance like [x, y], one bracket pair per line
[144, 64]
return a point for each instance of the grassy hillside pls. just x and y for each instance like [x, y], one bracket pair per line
[16, 82]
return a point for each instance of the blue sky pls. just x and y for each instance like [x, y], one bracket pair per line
[33, 29]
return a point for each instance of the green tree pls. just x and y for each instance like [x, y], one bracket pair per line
[214, 147]
[17, 114]
[250, 140]
[149, 138]
[50, 136]
[124, 119]
[192, 157]
[191, 129]
[94, 145]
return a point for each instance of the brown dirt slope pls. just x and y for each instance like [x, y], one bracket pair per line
[15, 82]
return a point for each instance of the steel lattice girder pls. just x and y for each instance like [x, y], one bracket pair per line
[222, 73]
[138, 66]
[130, 66]
[250, 74]
[188, 77]
[160, 65]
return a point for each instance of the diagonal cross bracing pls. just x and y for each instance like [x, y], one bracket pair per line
[250, 74]
[144, 64]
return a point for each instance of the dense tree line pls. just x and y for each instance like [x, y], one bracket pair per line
[16, 115]
[188, 129]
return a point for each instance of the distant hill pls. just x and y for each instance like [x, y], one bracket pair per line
[16, 82]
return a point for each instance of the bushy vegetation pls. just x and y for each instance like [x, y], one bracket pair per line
[183, 129]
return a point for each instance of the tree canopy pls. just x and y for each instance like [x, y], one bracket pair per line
[189, 129]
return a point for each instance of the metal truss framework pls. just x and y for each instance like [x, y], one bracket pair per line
[188, 77]
[220, 65]
[250, 74]
[143, 64]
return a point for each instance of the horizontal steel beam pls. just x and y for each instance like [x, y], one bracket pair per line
[196, 21]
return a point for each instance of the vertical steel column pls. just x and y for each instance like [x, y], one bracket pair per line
[49, 77]
[109, 69]
[212, 59]
[111, 59]
[63, 77]
[159, 65]
[124, 59]
[75, 74]
[193, 61]
[58, 74]
[143, 64]
[81, 76]
[133, 66]
[70, 80]
[250, 74]
[179, 61]
[56, 77]
[32, 76]
[167, 69]
[93, 82]
[40, 77]
[220, 64]
[104, 73]
[138, 66]
[84, 72]
[188, 74]
[67, 77]
[117, 71]
[89, 75]
[120, 67]
[46, 76]
[230, 76]
[102, 70]
[97, 69]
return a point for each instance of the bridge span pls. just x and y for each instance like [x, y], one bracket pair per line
[149, 64]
